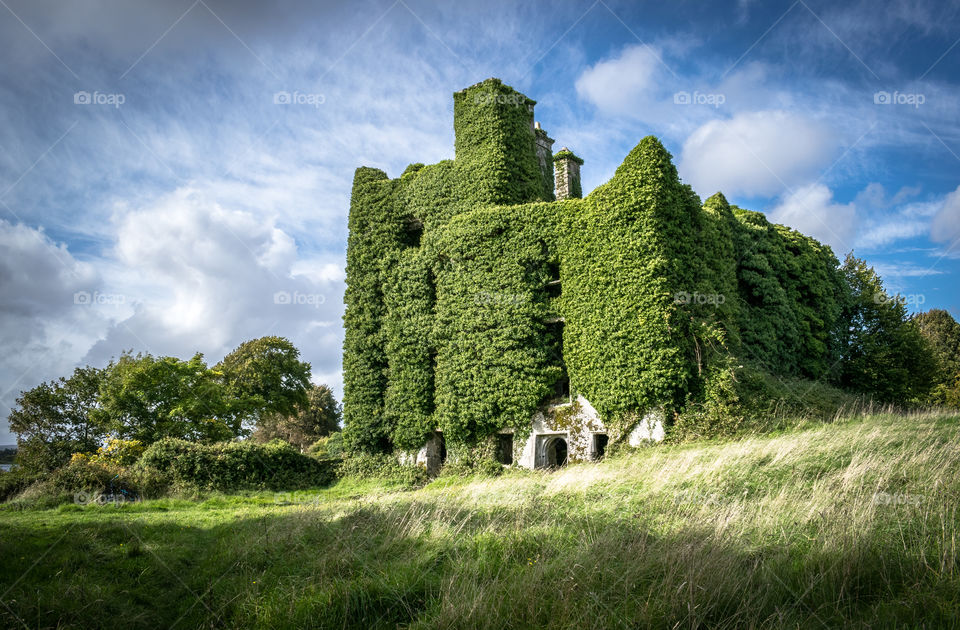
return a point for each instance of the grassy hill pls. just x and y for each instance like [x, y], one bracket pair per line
[851, 524]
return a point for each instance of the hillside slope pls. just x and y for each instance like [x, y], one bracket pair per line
[851, 524]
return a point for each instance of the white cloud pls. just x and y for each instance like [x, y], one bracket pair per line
[812, 211]
[54, 307]
[890, 232]
[945, 227]
[621, 84]
[756, 153]
[904, 270]
[206, 278]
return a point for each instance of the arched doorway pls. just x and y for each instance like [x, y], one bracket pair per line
[557, 452]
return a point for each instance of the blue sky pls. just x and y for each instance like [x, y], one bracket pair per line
[156, 196]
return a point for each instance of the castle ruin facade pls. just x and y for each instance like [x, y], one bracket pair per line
[494, 312]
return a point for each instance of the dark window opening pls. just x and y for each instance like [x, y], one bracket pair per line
[414, 232]
[554, 289]
[600, 441]
[505, 448]
[557, 453]
[561, 387]
[443, 448]
[553, 271]
[553, 280]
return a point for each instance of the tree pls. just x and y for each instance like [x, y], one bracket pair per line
[147, 398]
[54, 420]
[943, 333]
[885, 354]
[265, 376]
[318, 418]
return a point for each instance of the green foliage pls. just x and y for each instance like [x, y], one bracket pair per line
[408, 400]
[148, 398]
[389, 345]
[15, 481]
[235, 465]
[495, 146]
[495, 361]
[373, 235]
[885, 353]
[54, 420]
[320, 416]
[943, 334]
[455, 321]
[265, 376]
[85, 474]
[629, 250]
[791, 298]
[328, 447]
[119, 452]
[473, 462]
[380, 466]
[741, 399]
[567, 154]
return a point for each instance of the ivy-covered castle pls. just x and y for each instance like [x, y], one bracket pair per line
[492, 312]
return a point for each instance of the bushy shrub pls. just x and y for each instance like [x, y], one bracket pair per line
[119, 452]
[380, 466]
[84, 473]
[746, 399]
[329, 447]
[14, 482]
[233, 466]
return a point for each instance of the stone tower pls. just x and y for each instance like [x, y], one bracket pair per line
[567, 175]
[544, 155]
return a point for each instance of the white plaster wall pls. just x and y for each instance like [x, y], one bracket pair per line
[579, 443]
[649, 429]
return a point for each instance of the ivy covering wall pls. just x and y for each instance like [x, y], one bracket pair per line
[455, 321]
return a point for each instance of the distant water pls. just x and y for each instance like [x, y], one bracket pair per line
[5, 466]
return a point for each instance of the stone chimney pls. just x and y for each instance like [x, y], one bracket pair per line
[544, 157]
[568, 174]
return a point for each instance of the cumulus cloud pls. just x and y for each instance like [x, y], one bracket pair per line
[620, 84]
[812, 211]
[886, 219]
[54, 307]
[945, 227]
[755, 153]
[206, 278]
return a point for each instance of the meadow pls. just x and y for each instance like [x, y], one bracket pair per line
[852, 523]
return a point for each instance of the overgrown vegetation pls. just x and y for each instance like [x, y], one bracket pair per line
[145, 426]
[470, 296]
[848, 524]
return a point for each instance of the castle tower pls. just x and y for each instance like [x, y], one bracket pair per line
[496, 146]
[544, 155]
[567, 174]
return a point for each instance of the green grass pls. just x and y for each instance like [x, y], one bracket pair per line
[850, 524]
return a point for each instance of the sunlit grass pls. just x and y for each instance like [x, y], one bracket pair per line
[852, 523]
